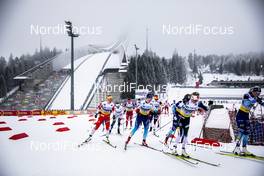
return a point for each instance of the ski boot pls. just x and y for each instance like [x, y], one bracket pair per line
[166, 140]
[144, 143]
[165, 146]
[89, 138]
[155, 134]
[150, 129]
[118, 131]
[237, 150]
[107, 139]
[245, 152]
[185, 154]
[174, 150]
[127, 141]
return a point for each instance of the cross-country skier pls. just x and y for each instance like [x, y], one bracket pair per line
[156, 112]
[143, 111]
[173, 108]
[242, 119]
[184, 110]
[166, 107]
[129, 112]
[104, 111]
[118, 113]
[138, 102]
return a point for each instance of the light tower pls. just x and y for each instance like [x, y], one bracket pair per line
[72, 35]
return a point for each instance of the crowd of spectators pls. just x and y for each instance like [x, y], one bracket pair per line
[35, 97]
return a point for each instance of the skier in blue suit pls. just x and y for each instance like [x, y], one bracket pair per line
[144, 112]
[242, 119]
[183, 111]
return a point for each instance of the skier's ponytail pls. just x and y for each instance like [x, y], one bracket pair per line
[186, 98]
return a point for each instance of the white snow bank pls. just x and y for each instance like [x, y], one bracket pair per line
[218, 118]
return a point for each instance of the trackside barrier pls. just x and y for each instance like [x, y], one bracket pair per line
[45, 112]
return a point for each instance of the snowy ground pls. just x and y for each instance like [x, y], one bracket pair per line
[47, 152]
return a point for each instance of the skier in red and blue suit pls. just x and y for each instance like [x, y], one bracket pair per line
[104, 111]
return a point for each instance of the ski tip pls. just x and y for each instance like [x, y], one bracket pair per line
[216, 165]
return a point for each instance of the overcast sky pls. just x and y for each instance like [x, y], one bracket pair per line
[116, 18]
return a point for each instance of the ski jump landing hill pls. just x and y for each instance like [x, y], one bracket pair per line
[88, 73]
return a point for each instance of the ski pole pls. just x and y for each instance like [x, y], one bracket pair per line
[164, 125]
[205, 120]
[123, 124]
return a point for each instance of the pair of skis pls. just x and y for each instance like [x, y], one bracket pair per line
[109, 143]
[167, 153]
[189, 160]
[89, 139]
[248, 157]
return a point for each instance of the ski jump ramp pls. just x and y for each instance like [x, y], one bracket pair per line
[88, 69]
[89, 63]
[85, 75]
